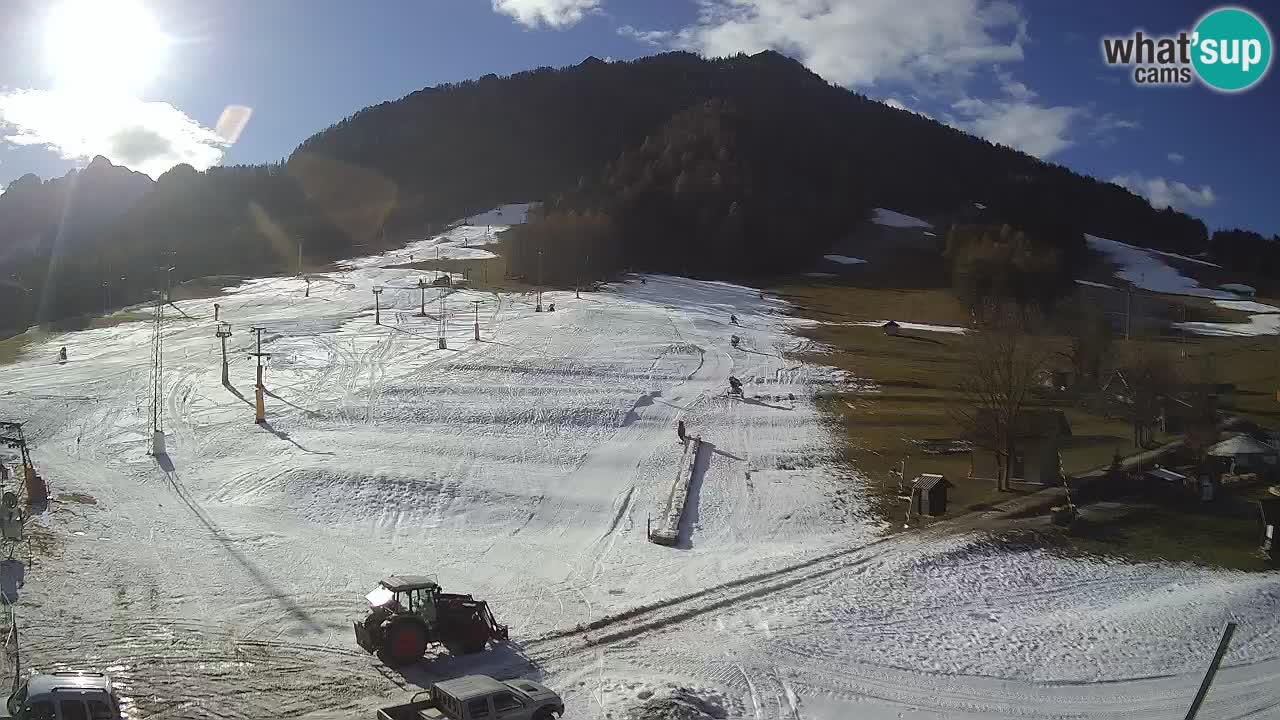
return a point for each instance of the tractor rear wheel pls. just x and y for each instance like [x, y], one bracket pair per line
[404, 642]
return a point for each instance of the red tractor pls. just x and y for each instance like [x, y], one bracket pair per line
[408, 612]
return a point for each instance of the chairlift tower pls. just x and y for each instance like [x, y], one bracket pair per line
[157, 376]
[260, 410]
[444, 322]
[224, 332]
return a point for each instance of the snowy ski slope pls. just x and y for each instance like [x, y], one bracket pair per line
[221, 581]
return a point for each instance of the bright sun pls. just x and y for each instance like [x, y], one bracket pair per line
[103, 46]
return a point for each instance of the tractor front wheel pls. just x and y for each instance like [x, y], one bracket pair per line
[404, 642]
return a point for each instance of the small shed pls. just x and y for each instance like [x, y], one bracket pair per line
[930, 494]
[891, 328]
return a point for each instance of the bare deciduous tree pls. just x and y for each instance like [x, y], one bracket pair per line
[1002, 361]
[1150, 378]
[1201, 427]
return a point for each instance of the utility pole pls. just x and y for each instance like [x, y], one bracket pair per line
[477, 304]
[106, 297]
[299, 256]
[1128, 307]
[377, 308]
[260, 410]
[224, 332]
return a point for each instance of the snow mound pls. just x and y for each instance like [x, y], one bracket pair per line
[844, 259]
[681, 704]
[1145, 270]
[891, 218]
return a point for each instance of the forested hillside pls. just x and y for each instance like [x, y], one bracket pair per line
[672, 162]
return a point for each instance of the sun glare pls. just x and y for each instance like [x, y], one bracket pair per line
[103, 46]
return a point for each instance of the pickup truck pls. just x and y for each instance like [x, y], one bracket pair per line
[66, 696]
[479, 697]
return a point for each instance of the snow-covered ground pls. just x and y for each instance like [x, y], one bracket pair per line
[221, 580]
[1264, 320]
[1145, 270]
[891, 218]
[844, 259]
[462, 241]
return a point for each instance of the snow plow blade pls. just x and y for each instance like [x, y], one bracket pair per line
[362, 637]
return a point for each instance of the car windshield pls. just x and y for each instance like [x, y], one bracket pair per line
[813, 359]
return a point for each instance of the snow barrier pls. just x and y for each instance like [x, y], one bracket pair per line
[668, 530]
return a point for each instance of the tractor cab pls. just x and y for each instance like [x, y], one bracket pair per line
[411, 594]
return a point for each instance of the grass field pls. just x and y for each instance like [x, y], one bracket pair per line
[12, 348]
[916, 375]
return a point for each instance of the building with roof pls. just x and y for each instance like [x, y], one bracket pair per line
[1244, 454]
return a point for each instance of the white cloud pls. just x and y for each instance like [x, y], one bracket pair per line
[1176, 158]
[552, 13]
[859, 43]
[1034, 129]
[1107, 123]
[648, 37]
[150, 137]
[1164, 193]
[1014, 89]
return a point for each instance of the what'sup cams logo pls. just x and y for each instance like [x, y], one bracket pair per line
[1229, 50]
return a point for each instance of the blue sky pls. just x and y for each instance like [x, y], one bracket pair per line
[1028, 74]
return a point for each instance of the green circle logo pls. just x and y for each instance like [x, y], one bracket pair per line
[1231, 49]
